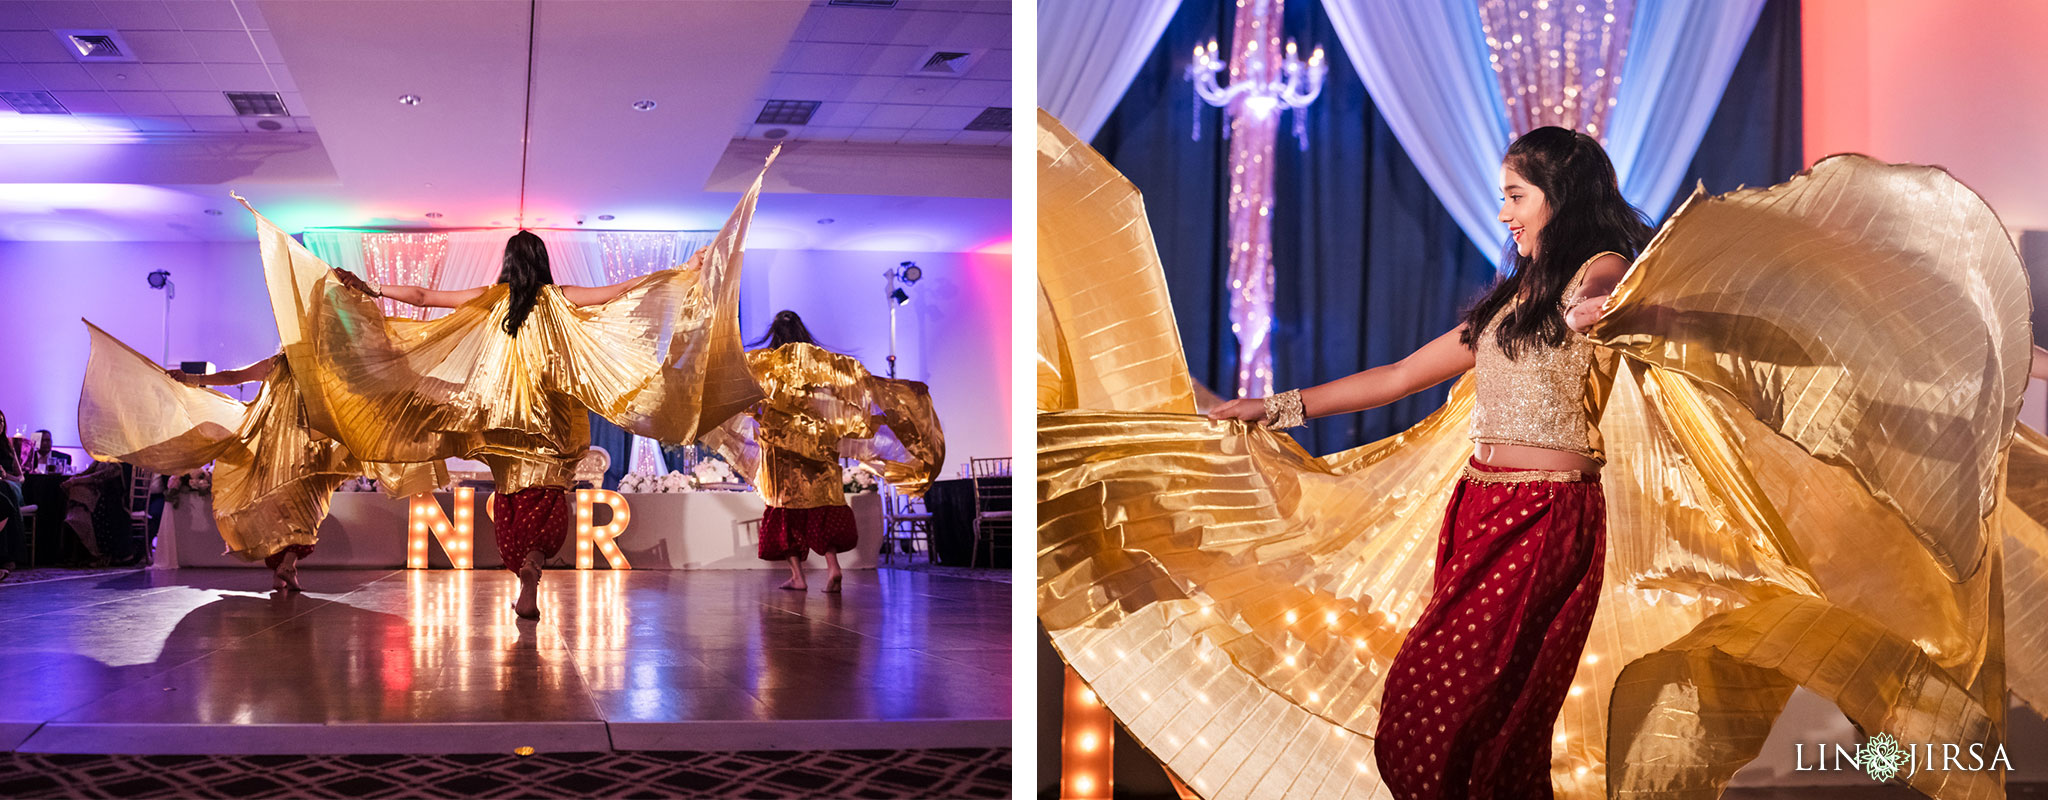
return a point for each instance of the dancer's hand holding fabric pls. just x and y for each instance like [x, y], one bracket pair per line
[1248, 409]
[356, 282]
[1587, 312]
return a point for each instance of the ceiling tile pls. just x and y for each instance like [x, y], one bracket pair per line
[919, 91]
[245, 78]
[895, 60]
[930, 27]
[121, 77]
[829, 24]
[146, 104]
[895, 116]
[846, 115]
[977, 93]
[305, 124]
[826, 58]
[138, 15]
[92, 102]
[926, 137]
[161, 47]
[871, 88]
[164, 124]
[20, 15]
[993, 66]
[15, 78]
[205, 15]
[215, 124]
[804, 86]
[202, 104]
[876, 135]
[71, 14]
[981, 138]
[181, 77]
[63, 77]
[982, 30]
[746, 120]
[226, 47]
[814, 133]
[948, 118]
[31, 47]
[266, 46]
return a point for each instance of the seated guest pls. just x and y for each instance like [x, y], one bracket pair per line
[13, 531]
[44, 459]
[83, 494]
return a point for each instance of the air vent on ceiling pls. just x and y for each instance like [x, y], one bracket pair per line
[946, 62]
[993, 118]
[864, 3]
[257, 104]
[787, 112]
[34, 103]
[97, 45]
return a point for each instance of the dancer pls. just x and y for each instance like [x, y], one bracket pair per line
[509, 377]
[822, 406]
[1263, 619]
[1520, 558]
[13, 532]
[272, 477]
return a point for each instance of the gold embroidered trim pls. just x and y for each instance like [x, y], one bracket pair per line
[1476, 474]
[1587, 452]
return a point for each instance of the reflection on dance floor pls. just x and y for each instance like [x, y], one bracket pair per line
[435, 661]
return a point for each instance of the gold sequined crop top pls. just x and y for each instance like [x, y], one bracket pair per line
[1549, 397]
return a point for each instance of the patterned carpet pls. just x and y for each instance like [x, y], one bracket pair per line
[948, 773]
[1001, 575]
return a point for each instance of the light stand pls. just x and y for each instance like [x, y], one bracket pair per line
[161, 279]
[906, 273]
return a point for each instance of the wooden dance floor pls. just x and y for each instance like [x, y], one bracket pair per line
[384, 661]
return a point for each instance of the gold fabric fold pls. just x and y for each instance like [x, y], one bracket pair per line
[272, 476]
[1234, 601]
[1116, 346]
[662, 360]
[1876, 314]
[818, 407]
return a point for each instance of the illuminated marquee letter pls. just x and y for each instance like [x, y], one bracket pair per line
[600, 536]
[456, 537]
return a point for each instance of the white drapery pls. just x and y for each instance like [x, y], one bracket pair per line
[1680, 57]
[1088, 52]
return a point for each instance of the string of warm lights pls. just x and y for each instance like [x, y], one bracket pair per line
[1087, 760]
[1558, 61]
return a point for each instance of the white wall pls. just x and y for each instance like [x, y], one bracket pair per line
[954, 334]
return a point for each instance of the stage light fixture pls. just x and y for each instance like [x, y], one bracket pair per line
[910, 272]
[899, 296]
[159, 279]
[409, 99]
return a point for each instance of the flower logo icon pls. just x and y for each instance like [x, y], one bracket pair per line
[1882, 757]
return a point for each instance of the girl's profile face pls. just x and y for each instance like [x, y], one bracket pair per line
[1523, 208]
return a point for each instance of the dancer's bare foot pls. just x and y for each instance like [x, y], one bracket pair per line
[832, 583]
[528, 604]
[795, 584]
[286, 576]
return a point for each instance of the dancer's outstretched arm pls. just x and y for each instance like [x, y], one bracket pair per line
[1443, 358]
[1602, 276]
[254, 372]
[429, 298]
[595, 295]
[2039, 369]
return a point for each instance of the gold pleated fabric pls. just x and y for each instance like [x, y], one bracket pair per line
[1235, 601]
[662, 360]
[272, 476]
[820, 406]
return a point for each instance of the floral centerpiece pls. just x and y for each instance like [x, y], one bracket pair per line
[860, 479]
[651, 483]
[713, 473]
[197, 482]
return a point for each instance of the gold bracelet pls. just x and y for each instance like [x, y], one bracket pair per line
[1284, 410]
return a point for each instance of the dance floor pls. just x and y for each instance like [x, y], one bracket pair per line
[379, 661]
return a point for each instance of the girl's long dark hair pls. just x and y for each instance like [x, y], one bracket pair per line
[526, 269]
[787, 328]
[1587, 215]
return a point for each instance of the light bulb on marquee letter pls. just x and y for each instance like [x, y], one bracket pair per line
[1087, 760]
[457, 537]
[600, 537]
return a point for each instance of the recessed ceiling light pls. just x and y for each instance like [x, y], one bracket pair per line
[775, 133]
[644, 105]
[409, 99]
[606, 217]
[213, 212]
[827, 221]
[433, 215]
[270, 125]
